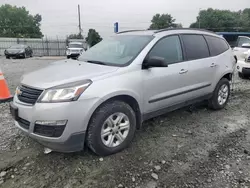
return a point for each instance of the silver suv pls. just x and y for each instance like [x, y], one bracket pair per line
[102, 98]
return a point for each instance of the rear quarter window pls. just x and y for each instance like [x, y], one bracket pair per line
[216, 45]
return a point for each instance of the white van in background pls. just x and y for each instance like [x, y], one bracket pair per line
[74, 49]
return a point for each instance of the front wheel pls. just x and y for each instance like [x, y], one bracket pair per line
[112, 128]
[221, 95]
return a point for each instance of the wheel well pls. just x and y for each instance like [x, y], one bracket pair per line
[228, 76]
[131, 102]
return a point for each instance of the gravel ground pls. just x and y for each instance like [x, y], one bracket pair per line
[185, 148]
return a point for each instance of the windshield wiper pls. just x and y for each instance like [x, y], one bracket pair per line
[96, 62]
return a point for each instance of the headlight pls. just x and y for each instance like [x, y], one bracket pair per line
[65, 93]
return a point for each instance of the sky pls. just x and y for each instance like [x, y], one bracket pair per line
[60, 17]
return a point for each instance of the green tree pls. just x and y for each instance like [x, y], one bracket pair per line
[17, 22]
[75, 36]
[161, 21]
[223, 20]
[93, 37]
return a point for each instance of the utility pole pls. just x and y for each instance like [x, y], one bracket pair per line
[79, 17]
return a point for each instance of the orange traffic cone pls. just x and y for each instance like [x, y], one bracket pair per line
[4, 90]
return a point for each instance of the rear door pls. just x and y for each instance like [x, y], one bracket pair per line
[221, 56]
[239, 50]
[200, 65]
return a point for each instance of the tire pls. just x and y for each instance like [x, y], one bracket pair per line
[97, 123]
[7, 57]
[214, 101]
[31, 55]
[242, 76]
[68, 57]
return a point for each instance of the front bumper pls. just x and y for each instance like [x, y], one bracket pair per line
[243, 67]
[15, 55]
[73, 136]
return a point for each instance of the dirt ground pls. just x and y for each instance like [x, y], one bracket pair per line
[185, 148]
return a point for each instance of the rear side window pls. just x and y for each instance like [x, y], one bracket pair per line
[216, 45]
[168, 48]
[195, 47]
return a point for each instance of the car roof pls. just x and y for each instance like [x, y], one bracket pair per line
[168, 31]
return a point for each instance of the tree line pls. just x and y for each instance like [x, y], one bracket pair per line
[18, 22]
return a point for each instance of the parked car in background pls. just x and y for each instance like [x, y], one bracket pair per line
[74, 49]
[102, 98]
[243, 65]
[18, 51]
[242, 47]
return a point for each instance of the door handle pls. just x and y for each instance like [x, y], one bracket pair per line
[213, 65]
[183, 71]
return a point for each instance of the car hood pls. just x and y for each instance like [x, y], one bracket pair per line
[13, 50]
[65, 71]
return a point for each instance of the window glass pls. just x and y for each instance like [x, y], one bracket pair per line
[117, 50]
[243, 40]
[195, 46]
[216, 45]
[168, 48]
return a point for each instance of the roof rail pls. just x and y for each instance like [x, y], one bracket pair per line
[169, 29]
[129, 31]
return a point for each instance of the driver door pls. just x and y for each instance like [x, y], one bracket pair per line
[165, 86]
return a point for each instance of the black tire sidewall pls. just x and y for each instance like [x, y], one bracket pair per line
[94, 132]
[214, 102]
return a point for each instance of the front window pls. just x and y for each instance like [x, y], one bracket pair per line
[75, 45]
[243, 40]
[116, 51]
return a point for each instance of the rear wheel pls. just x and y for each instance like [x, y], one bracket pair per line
[221, 95]
[7, 57]
[112, 128]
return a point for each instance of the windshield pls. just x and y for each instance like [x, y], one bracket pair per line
[75, 45]
[17, 47]
[116, 51]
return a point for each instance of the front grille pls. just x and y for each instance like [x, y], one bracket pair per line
[23, 123]
[29, 95]
[49, 130]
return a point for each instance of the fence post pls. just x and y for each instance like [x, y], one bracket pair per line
[43, 47]
[58, 45]
[47, 46]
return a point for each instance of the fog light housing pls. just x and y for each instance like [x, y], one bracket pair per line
[52, 123]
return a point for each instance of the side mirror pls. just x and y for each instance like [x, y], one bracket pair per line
[246, 45]
[154, 62]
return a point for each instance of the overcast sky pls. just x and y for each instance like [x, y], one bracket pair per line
[59, 17]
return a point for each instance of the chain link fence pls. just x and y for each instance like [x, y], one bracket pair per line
[40, 47]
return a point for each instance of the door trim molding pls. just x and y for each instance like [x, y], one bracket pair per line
[165, 110]
[179, 93]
